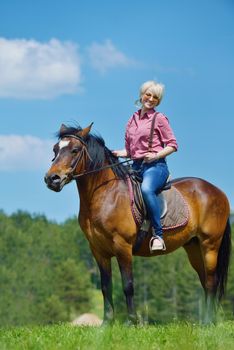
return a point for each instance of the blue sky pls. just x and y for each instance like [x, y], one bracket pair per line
[76, 61]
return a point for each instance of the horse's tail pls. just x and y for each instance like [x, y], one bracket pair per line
[223, 262]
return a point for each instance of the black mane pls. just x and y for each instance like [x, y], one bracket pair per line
[99, 153]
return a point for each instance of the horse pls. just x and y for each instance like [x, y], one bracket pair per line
[107, 221]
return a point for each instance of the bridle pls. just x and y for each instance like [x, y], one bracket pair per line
[82, 153]
[80, 156]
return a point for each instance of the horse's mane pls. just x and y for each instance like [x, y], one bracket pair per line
[100, 155]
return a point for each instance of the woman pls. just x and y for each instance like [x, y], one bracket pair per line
[149, 155]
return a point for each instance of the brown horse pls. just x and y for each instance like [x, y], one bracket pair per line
[106, 219]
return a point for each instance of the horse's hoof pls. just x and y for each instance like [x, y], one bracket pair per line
[209, 322]
[131, 321]
[107, 323]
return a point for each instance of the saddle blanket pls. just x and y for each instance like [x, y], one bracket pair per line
[174, 209]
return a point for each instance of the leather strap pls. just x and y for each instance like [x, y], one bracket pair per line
[152, 132]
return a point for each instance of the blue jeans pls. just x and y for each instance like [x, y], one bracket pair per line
[154, 176]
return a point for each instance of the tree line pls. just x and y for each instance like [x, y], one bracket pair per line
[48, 275]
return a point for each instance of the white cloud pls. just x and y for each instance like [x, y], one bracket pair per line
[106, 56]
[19, 153]
[31, 69]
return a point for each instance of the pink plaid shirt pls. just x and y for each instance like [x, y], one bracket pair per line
[138, 133]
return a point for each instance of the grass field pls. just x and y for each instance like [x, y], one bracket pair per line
[171, 336]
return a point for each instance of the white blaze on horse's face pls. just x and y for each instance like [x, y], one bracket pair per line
[63, 144]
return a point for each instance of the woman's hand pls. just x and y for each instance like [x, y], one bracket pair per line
[150, 157]
[120, 153]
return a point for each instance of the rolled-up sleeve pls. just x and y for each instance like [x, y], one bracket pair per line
[127, 144]
[166, 133]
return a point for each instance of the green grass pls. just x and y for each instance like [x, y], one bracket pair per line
[173, 336]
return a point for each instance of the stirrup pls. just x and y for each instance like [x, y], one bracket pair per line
[163, 247]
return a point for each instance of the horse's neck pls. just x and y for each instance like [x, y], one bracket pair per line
[88, 185]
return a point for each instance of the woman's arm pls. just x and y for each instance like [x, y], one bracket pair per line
[150, 157]
[168, 138]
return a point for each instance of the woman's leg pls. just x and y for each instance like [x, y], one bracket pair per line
[154, 178]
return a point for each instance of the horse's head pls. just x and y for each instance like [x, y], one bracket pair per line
[69, 156]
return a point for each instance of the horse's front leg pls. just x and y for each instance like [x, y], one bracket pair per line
[106, 285]
[104, 265]
[125, 265]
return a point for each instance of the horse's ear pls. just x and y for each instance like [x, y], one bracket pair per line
[63, 128]
[84, 132]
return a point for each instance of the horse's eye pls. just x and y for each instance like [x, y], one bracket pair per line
[74, 151]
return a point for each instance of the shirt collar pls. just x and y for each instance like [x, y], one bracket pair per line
[147, 115]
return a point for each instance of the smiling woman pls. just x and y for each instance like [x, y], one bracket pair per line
[149, 139]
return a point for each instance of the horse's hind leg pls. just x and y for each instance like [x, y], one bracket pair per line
[210, 256]
[193, 251]
[204, 260]
[210, 241]
[214, 237]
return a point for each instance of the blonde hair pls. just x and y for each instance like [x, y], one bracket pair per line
[154, 87]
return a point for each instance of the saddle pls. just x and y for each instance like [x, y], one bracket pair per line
[174, 209]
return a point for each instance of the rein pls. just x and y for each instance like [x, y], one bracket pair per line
[104, 167]
[84, 149]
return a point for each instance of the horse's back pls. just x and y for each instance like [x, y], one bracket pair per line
[196, 184]
[206, 201]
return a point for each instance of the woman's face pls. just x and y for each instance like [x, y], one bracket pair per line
[149, 100]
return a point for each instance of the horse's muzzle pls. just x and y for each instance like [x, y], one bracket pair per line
[55, 182]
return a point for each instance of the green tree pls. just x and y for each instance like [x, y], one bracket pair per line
[33, 254]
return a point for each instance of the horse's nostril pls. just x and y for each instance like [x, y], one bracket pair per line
[55, 178]
[54, 182]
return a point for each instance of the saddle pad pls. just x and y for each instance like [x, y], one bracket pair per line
[176, 215]
[177, 210]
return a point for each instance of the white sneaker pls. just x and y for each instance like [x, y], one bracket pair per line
[157, 243]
